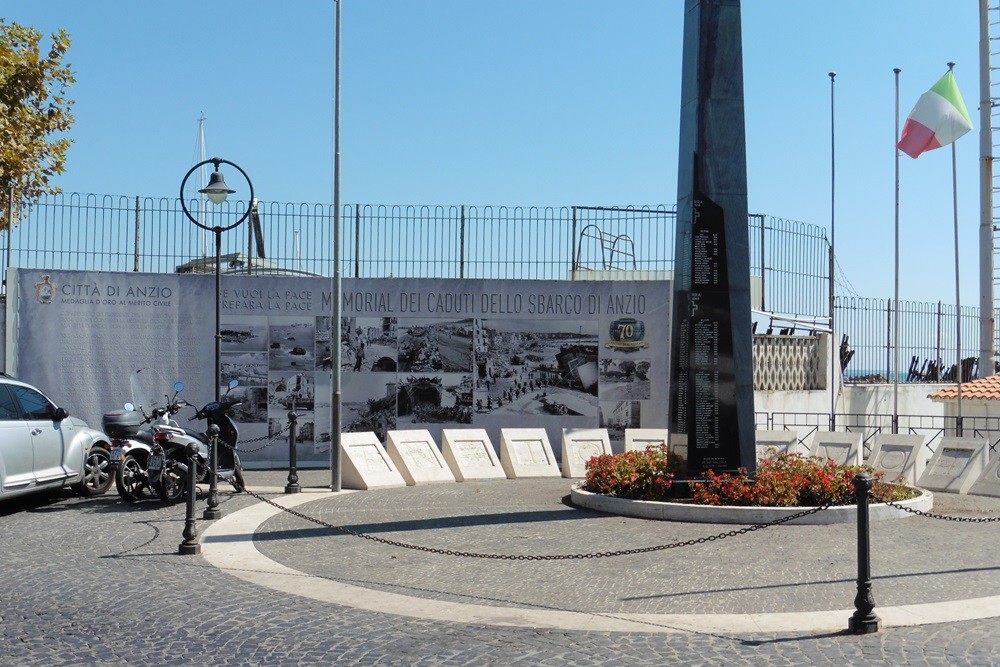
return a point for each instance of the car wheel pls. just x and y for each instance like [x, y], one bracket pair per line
[130, 479]
[173, 483]
[97, 473]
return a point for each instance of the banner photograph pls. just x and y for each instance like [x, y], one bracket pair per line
[415, 353]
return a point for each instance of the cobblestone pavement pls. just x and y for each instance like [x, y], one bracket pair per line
[97, 581]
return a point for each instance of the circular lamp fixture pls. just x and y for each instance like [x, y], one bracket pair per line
[217, 190]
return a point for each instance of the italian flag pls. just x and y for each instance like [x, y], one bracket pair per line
[938, 119]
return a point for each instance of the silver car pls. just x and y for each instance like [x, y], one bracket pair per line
[43, 447]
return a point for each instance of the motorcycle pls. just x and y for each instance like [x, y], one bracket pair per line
[132, 442]
[169, 475]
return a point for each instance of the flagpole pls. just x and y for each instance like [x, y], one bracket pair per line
[958, 293]
[987, 324]
[834, 357]
[895, 298]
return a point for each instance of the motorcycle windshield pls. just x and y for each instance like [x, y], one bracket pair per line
[139, 397]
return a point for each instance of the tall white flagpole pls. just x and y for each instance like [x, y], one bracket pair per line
[335, 425]
[895, 298]
[834, 348]
[987, 323]
[958, 293]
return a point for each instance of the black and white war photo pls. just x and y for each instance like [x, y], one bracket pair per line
[538, 367]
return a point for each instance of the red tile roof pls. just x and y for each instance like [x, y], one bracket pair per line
[984, 389]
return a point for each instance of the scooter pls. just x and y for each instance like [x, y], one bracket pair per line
[132, 442]
[169, 477]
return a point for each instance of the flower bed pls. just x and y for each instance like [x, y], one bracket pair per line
[781, 480]
[687, 511]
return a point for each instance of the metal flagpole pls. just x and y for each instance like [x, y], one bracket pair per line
[958, 294]
[335, 421]
[834, 357]
[987, 323]
[895, 298]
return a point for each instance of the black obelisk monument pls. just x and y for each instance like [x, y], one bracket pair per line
[711, 388]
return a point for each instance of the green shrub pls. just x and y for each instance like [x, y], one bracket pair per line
[637, 475]
[793, 480]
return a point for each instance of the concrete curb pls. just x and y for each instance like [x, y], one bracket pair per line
[691, 513]
[228, 544]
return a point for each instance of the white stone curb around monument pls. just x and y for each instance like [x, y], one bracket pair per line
[228, 544]
[692, 513]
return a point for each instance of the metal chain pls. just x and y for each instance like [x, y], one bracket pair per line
[944, 517]
[600, 554]
[270, 437]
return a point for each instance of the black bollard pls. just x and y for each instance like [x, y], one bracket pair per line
[293, 472]
[190, 545]
[864, 621]
[213, 511]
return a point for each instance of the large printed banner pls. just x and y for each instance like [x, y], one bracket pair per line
[415, 353]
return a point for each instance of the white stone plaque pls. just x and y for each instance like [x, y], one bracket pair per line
[642, 438]
[579, 445]
[840, 447]
[988, 483]
[365, 464]
[899, 455]
[526, 452]
[417, 457]
[782, 442]
[470, 454]
[956, 465]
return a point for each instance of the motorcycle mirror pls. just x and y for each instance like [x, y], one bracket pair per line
[178, 387]
[234, 383]
[129, 407]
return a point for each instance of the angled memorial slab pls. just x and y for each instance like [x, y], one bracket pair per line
[840, 447]
[643, 438]
[365, 464]
[784, 442]
[988, 483]
[899, 455]
[526, 452]
[956, 465]
[470, 454]
[579, 445]
[417, 457]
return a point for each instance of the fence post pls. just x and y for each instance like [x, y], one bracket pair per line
[461, 244]
[763, 280]
[135, 251]
[357, 241]
[10, 227]
[864, 621]
[190, 545]
[572, 245]
[293, 469]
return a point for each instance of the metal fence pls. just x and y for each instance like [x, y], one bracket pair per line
[789, 260]
[927, 339]
[120, 233]
[871, 425]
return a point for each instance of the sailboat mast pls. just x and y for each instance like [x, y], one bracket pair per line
[203, 181]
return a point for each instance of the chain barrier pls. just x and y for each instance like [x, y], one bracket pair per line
[943, 517]
[526, 557]
[270, 437]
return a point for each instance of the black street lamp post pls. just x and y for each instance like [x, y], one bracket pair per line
[217, 192]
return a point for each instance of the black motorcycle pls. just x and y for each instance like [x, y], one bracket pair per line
[169, 476]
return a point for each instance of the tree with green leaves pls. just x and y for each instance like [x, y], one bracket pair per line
[34, 115]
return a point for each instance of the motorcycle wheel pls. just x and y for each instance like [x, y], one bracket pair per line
[237, 480]
[130, 479]
[173, 483]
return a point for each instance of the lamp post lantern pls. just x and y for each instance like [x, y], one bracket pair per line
[217, 191]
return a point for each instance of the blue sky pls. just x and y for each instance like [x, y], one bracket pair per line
[530, 102]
